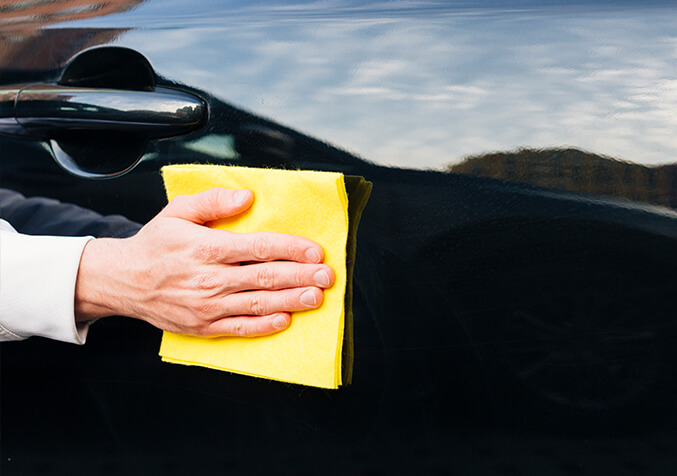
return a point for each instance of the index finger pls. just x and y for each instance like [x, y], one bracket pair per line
[268, 246]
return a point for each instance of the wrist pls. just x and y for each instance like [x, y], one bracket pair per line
[94, 296]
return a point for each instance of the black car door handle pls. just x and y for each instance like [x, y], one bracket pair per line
[44, 111]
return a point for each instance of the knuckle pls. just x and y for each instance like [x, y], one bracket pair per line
[204, 310]
[205, 281]
[205, 252]
[257, 305]
[195, 325]
[214, 198]
[265, 277]
[260, 248]
[201, 313]
[179, 200]
[290, 302]
[293, 252]
[240, 329]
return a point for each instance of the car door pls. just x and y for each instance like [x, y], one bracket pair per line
[513, 311]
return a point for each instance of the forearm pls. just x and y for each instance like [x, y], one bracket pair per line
[43, 216]
[39, 265]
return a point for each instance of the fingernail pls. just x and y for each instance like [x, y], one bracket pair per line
[308, 299]
[313, 255]
[280, 322]
[241, 196]
[321, 278]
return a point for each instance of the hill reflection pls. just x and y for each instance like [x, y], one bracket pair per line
[577, 171]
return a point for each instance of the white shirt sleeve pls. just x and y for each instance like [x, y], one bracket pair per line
[37, 286]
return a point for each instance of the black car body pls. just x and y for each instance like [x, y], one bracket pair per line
[502, 325]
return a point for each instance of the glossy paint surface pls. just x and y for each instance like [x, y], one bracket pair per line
[423, 84]
[513, 317]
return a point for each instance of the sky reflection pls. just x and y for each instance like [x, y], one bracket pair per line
[423, 84]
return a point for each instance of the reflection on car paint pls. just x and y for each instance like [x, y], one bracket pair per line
[218, 146]
[577, 171]
[515, 316]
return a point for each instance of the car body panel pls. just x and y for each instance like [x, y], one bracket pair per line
[501, 326]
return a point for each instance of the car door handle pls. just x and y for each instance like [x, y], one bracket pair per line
[46, 111]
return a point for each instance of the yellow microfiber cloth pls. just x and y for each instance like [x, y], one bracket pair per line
[305, 203]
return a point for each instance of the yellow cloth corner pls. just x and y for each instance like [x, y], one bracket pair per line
[305, 203]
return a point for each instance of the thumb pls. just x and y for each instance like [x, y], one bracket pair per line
[209, 205]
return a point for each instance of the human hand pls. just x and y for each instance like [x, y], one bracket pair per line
[183, 277]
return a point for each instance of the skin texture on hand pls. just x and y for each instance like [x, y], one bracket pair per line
[184, 277]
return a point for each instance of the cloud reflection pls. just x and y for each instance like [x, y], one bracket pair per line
[427, 89]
